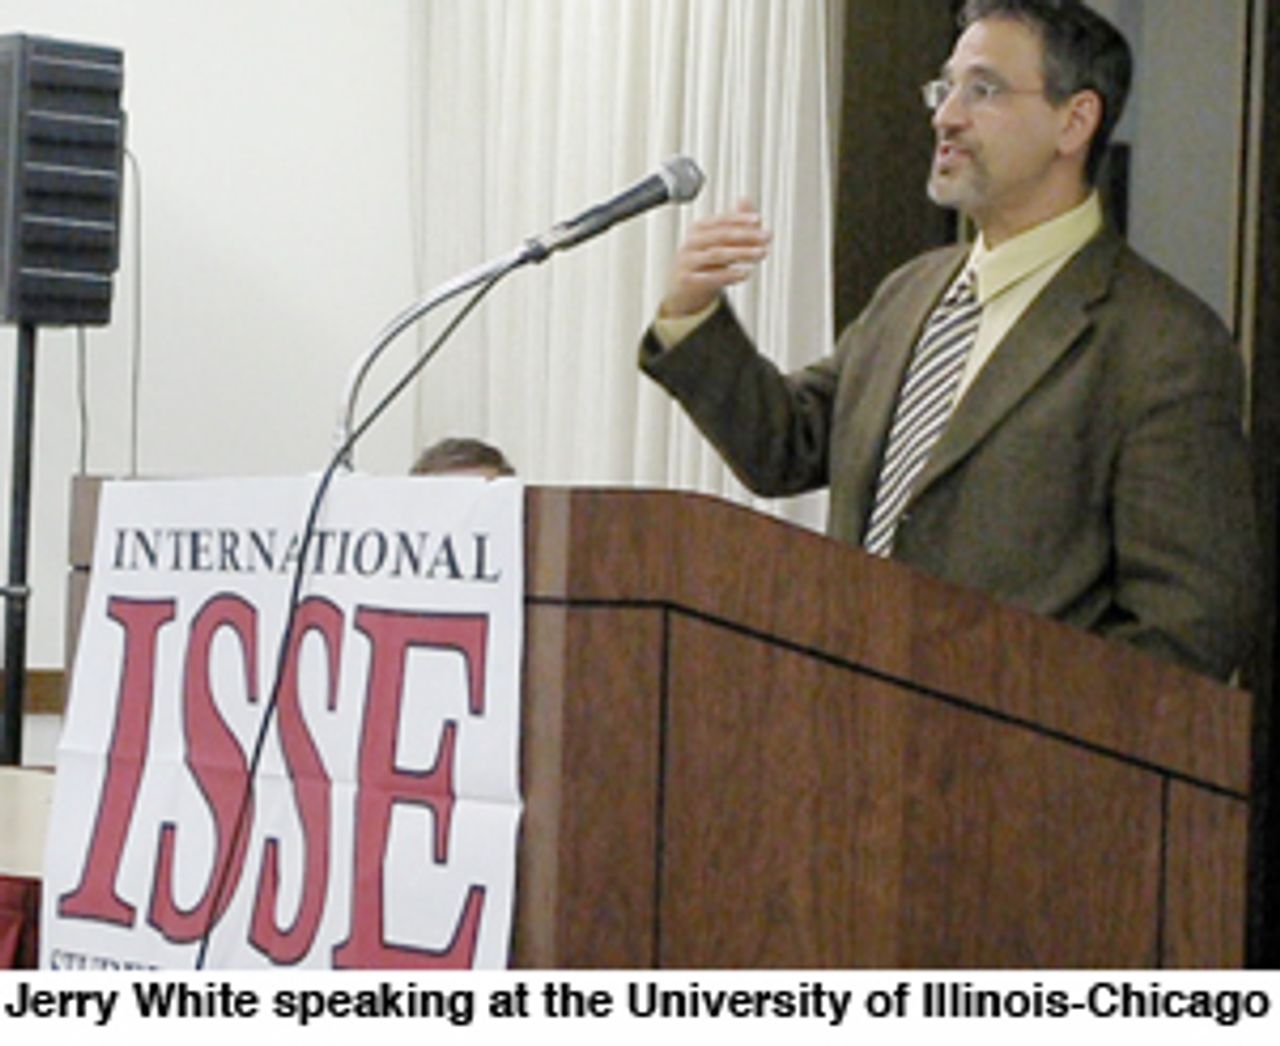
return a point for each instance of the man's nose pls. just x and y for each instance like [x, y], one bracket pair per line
[951, 112]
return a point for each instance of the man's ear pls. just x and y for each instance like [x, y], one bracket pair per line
[1081, 120]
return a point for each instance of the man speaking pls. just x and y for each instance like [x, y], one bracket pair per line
[1042, 415]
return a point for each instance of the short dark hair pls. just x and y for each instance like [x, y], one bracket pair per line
[1082, 52]
[461, 454]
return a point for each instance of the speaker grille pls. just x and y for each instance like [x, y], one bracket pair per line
[61, 155]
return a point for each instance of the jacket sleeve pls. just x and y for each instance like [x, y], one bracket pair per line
[1185, 539]
[771, 428]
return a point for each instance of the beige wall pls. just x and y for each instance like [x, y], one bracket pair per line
[273, 141]
[1185, 123]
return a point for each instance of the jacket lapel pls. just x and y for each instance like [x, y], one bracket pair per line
[1049, 327]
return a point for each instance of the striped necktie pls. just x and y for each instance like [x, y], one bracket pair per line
[924, 405]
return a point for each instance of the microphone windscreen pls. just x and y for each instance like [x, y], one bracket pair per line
[683, 177]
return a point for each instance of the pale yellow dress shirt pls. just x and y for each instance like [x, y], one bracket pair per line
[1012, 275]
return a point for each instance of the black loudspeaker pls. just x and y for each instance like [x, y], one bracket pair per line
[61, 159]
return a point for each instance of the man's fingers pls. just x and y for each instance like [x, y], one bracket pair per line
[730, 228]
[716, 253]
[720, 255]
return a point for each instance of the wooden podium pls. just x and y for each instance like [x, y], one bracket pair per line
[746, 745]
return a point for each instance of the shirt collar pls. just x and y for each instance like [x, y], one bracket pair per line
[999, 268]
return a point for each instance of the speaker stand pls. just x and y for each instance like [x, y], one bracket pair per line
[16, 592]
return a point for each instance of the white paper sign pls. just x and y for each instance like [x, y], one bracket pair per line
[374, 825]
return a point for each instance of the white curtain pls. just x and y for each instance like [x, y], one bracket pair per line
[528, 111]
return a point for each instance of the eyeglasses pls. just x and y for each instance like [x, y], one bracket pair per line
[974, 93]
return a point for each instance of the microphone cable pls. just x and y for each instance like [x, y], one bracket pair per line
[134, 183]
[291, 612]
[82, 399]
[135, 370]
[679, 181]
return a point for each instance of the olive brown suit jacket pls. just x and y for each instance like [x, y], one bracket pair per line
[1095, 471]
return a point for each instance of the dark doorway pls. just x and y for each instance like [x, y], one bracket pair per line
[883, 217]
[1264, 894]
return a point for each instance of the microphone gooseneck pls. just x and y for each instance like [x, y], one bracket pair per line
[677, 180]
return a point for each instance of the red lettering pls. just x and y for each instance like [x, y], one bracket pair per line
[96, 897]
[218, 765]
[312, 791]
[382, 784]
[219, 768]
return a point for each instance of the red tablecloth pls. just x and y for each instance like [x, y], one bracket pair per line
[19, 923]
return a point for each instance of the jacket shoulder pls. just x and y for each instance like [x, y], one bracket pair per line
[907, 291]
[1117, 281]
[938, 263]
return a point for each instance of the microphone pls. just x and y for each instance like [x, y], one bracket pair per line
[677, 180]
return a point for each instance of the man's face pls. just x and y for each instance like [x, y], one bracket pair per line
[997, 134]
